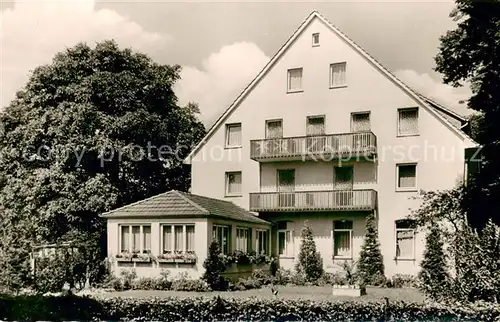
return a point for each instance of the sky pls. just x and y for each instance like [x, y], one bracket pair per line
[223, 45]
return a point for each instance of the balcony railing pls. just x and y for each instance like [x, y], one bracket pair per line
[319, 147]
[334, 200]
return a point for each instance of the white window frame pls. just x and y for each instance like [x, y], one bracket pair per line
[332, 66]
[289, 250]
[247, 247]
[228, 126]
[130, 238]
[214, 236]
[350, 231]
[354, 114]
[396, 229]
[172, 238]
[233, 194]
[258, 239]
[315, 43]
[288, 80]
[399, 134]
[398, 188]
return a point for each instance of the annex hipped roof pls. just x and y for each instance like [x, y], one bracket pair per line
[435, 109]
[176, 204]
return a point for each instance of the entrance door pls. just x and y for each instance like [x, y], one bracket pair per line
[286, 188]
[343, 184]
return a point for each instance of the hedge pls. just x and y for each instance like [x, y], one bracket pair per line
[247, 309]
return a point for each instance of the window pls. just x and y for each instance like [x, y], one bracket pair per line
[242, 239]
[342, 239]
[315, 125]
[233, 183]
[405, 239]
[338, 75]
[360, 122]
[408, 121]
[178, 238]
[407, 176]
[294, 80]
[233, 135]
[274, 129]
[315, 39]
[221, 235]
[285, 240]
[135, 238]
[262, 242]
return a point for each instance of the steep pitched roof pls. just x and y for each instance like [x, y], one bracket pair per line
[178, 204]
[315, 14]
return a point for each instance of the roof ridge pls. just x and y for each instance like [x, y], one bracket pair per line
[191, 202]
[137, 202]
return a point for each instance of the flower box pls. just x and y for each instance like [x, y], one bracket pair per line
[142, 259]
[123, 259]
[165, 260]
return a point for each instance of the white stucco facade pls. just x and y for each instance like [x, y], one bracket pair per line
[437, 149]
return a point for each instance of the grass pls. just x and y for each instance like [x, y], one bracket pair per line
[316, 293]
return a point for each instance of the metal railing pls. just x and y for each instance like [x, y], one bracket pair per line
[327, 146]
[333, 200]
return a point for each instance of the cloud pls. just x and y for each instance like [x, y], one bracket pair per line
[33, 32]
[223, 75]
[444, 94]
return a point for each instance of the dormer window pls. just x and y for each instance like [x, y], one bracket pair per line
[315, 39]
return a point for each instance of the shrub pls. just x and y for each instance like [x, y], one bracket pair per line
[214, 267]
[433, 277]
[371, 263]
[183, 283]
[127, 278]
[144, 283]
[244, 309]
[402, 280]
[282, 277]
[334, 279]
[309, 263]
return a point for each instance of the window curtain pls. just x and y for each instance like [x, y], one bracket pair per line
[234, 183]
[338, 74]
[167, 238]
[342, 242]
[136, 238]
[125, 239]
[315, 126]
[360, 122]
[274, 130]
[147, 238]
[178, 230]
[242, 240]
[189, 238]
[234, 135]
[408, 121]
[404, 245]
[295, 79]
[407, 176]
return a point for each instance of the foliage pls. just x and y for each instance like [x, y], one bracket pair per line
[247, 309]
[470, 54]
[87, 134]
[214, 268]
[402, 280]
[433, 276]
[310, 263]
[370, 265]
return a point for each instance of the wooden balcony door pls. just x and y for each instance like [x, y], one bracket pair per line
[315, 130]
[343, 186]
[274, 133]
[286, 188]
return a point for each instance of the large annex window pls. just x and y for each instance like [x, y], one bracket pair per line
[243, 239]
[135, 239]
[222, 236]
[178, 238]
[262, 242]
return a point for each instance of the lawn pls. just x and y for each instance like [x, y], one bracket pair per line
[317, 293]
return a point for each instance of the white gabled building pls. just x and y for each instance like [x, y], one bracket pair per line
[324, 133]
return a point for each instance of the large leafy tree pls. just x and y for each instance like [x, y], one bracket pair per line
[471, 53]
[95, 129]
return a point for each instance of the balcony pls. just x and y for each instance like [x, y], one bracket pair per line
[334, 200]
[362, 146]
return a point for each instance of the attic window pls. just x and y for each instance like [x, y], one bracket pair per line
[315, 39]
